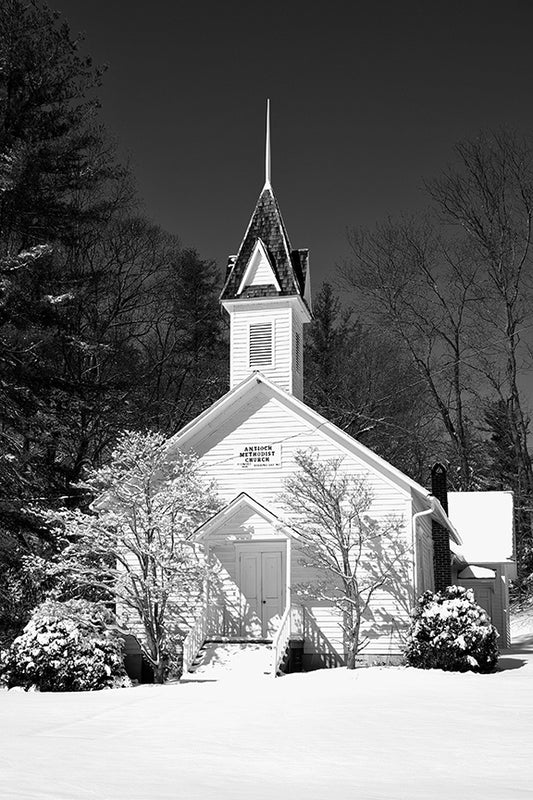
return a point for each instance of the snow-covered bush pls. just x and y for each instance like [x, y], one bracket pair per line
[450, 631]
[66, 647]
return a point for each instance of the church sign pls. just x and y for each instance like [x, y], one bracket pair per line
[258, 455]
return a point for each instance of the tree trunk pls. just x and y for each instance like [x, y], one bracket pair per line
[351, 654]
[153, 652]
[159, 672]
[352, 624]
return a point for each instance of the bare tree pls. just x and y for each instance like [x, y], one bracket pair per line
[488, 196]
[352, 375]
[458, 292]
[354, 555]
[425, 294]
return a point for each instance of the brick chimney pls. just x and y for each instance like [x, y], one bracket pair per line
[441, 538]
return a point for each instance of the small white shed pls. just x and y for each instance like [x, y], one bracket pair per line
[484, 521]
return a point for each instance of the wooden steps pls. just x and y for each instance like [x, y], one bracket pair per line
[291, 660]
[226, 657]
[221, 658]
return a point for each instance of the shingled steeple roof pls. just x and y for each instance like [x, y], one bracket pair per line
[289, 267]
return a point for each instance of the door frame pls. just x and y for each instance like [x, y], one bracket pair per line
[258, 546]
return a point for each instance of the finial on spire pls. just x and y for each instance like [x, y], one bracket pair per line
[267, 146]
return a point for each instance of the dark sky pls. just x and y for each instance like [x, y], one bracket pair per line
[367, 101]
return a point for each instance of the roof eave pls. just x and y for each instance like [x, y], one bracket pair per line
[242, 499]
[398, 478]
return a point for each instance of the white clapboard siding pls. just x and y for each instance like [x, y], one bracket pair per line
[425, 575]
[244, 524]
[280, 369]
[323, 634]
[386, 618]
[129, 618]
[266, 420]
[259, 270]
[224, 591]
[286, 321]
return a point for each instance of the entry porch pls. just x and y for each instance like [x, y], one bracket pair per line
[255, 562]
[247, 598]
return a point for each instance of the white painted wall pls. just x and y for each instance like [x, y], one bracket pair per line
[287, 317]
[425, 576]
[497, 591]
[259, 271]
[266, 420]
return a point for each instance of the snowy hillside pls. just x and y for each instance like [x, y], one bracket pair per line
[373, 734]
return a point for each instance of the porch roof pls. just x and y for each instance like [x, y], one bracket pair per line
[242, 500]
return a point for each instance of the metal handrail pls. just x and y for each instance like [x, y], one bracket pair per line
[199, 632]
[279, 643]
[195, 639]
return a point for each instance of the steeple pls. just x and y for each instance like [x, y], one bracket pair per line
[267, 146]
[267, 294]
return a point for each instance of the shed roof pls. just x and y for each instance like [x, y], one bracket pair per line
[484, 521]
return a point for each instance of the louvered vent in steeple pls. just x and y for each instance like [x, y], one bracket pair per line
[261, 345]
[298, 352]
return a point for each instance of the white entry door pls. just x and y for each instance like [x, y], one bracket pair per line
[261, 584]
[271, 592]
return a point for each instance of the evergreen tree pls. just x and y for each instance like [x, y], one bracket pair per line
[106, 322]
[503, 474]
[51, 149]
[58, 183]
[187, 345]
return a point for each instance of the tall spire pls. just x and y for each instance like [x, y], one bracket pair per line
[267, 146]
[267, 295]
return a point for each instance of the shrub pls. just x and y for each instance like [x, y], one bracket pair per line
[66, 647]
[450, 631]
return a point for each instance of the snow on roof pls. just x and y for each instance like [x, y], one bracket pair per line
[242, 499]
[484, 521]
[473, 571]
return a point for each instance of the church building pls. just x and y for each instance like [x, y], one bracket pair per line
[247, 441]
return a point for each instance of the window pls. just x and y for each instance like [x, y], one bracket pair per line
[297, 351]
[261, 346]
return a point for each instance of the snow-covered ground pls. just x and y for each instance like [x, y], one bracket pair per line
[231, 661]
[372, 734]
